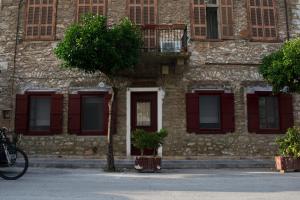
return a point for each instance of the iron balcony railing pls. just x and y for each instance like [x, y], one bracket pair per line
[165, 38]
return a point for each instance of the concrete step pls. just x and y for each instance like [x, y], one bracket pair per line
[167, 164]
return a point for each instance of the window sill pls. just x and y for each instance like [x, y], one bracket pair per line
[269, 131]
[91, 133]
[39, 133]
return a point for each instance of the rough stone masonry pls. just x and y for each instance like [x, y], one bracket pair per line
[230, 64]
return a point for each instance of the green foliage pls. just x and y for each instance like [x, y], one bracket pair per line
[289, 145]
[145, 140]
[93, 46]
[282, 68]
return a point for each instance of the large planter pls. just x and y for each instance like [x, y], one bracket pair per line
[147, 163]
[284, 164]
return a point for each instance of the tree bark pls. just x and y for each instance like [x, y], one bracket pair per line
[111, 130]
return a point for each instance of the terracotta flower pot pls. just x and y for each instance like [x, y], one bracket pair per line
[147, 163]
[284, 164]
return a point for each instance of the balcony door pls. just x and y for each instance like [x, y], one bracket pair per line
[144, 13]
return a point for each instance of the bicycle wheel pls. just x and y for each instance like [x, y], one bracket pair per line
[17, 168]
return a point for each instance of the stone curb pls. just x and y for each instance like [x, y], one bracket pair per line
[167, 164]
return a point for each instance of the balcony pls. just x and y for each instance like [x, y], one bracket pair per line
[164, 50]
[165, 39]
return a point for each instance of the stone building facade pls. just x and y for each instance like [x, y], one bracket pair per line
[220, 64]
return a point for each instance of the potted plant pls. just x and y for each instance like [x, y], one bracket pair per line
[143, 140]
[289, 151]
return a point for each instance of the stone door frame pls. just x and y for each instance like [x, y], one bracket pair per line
[160, 97]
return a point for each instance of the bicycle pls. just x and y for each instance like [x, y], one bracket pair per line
[13, 161]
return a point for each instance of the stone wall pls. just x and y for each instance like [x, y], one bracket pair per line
[294, 7]
[230, 64]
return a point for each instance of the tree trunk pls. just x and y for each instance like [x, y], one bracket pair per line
[111, 130]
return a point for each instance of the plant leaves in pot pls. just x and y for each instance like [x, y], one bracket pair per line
[289, 151]
[143, 140]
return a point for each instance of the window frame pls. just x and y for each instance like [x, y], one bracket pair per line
[77, 5]
[269, 130]
[210, 93]
[39, 94]
[89, 132]
[39, 37]
[276, 18]
[210, 130]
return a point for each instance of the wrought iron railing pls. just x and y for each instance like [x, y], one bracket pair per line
[165, 38]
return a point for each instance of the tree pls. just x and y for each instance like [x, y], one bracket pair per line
[93, 46]
[281, 69]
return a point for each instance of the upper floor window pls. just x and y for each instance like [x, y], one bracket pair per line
[262, 19]
[142, 12]
[97, 7]
[212, 19]
[40, 19]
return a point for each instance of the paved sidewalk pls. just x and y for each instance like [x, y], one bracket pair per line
[166, 164]
[92, 184]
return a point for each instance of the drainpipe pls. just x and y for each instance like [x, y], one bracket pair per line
[287, 20]
[15, 61]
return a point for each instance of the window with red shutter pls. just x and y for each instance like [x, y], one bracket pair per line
[96, 7]
[212, 19]
[39, 113]
[262, 19]
[40, 19]
[210, 112]
[88, 113]
[268, 113]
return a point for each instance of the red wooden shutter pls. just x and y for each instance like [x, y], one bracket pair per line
[198, 19]
[97, 7]
[227, 106]
[107, 98]
[56, 113]
[40, 19]
[262, 18]
[226, 19]
[192, 112]
[253, 112]
[286, 111]
[74, 121]
[22, 112]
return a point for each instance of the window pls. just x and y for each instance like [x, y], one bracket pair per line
[210, 112]
[97, 7]
[39, 113]
[212, 19]
[262, 19]
[209, 109]
[40, 19]
[88, 113]
[143, 114]
[268, 113]
[92, 118]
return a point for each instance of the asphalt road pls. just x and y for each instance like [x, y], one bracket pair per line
[85, 184]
